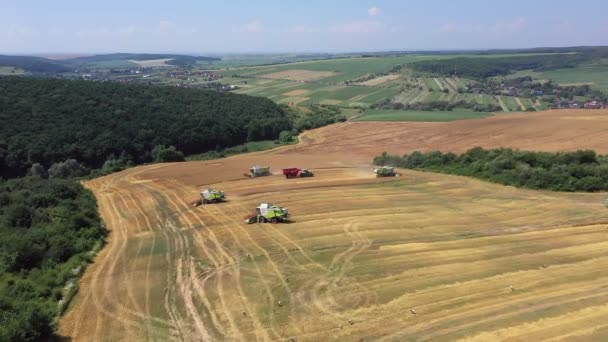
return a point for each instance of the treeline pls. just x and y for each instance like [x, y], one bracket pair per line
[47, 229]
[48, 121]
[438, 105]
[564, 171]
[479, 68]
[314, 116]
[33, 64]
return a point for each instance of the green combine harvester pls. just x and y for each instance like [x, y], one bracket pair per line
[385, 171]
[258, 171]
[267, 212]
[209, 196]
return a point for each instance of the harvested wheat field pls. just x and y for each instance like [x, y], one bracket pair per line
[379, 80]
[421, 256]
[299, 75]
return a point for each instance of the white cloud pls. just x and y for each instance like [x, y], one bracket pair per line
[374, 11]
[360, 27]
[253, 27]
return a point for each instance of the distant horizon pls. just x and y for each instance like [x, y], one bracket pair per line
[274, 27]
[86, 54]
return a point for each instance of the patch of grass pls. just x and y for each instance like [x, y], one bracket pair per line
[435, 116]
[598, 75]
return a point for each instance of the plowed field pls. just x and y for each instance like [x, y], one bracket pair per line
[421, 256]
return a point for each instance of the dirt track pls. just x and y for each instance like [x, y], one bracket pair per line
[421, 256]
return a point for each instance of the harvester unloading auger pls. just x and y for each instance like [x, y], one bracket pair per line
[385, 171]
[258, 171]
[209, 196]
[268, 212]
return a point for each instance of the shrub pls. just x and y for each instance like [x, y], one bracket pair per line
[163, 154]
[37, 170]
[67, 169]
[285, 137]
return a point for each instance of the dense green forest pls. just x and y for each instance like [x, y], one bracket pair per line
[564, 171]
[479, 68]
[48, 121]
[47, 229]
[33, 64]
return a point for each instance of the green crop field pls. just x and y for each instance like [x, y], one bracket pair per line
[345, 68]
[323, 82]
[403, 115]
[595, 76]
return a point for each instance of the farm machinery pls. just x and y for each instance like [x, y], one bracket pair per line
[209, 196]
[258, 171]
[295, 172]
[267, 212]
[385, 171]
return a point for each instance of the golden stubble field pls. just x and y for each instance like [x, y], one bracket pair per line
[422, 256]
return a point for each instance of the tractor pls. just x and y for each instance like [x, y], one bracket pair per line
[385, 171]
[209, 196]
[267, 212]
[295, 172]
[258, 171]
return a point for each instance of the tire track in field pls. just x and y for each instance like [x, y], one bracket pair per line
[577, 323]
[148, 284]
[232, 264]
[181, 274]
[177, 248]
[228, 259]
[343, 262]
[172, 246]
[123, 315]
[91, 296]
[480, 304]
[125, 264]
[104, 189]
[109, 282]
[221, 218]
[499, 313]
[221, 269]
[290, 241]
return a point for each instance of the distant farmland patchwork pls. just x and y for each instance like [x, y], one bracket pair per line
[358, 82]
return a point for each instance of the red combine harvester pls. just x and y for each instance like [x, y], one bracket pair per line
[294, 172]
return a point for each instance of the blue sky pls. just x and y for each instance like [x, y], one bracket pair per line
[199, 26]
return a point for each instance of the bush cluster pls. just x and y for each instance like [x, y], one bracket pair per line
[47, 228]
[564, 171]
